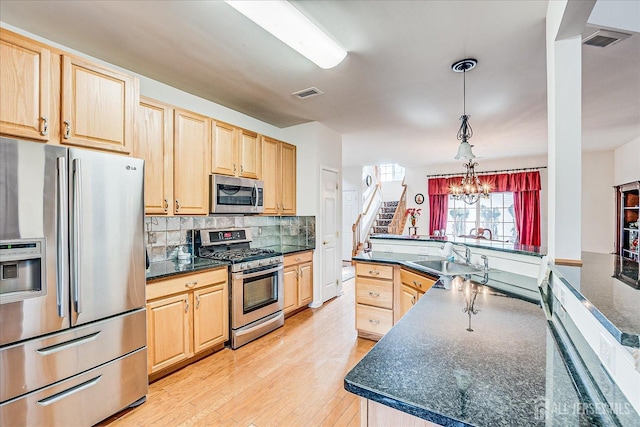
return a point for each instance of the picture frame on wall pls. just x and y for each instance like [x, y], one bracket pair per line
[419, 199]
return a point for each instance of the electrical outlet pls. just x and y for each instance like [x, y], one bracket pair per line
[607, 354]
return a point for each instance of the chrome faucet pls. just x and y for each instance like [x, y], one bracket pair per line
[448, 247]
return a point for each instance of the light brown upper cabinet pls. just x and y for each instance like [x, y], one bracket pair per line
[191, 136]
[98, 106]
[25, 83]
[279, 176]
[234, 151]
[154, 144]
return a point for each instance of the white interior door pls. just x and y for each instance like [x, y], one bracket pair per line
[349, 215]
[330, 256]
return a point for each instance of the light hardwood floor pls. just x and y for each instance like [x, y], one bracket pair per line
[290, 377]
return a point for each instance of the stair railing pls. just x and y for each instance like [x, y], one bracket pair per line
[365, 220]
[396, 226]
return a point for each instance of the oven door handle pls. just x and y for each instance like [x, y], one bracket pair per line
[242, 275]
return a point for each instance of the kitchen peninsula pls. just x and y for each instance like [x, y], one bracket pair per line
[483, 351]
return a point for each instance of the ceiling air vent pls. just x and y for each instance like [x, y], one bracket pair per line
[307, 93]
[604, 38]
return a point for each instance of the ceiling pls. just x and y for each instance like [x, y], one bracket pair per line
[393, 99]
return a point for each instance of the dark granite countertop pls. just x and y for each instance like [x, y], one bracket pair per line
[615, 304]
[431, 366]
[164, 269]
[512, 369]
[474, 243]
[510, 283]
[290, 249]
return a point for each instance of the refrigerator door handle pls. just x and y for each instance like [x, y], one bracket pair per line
[77, 231]
[61, 233]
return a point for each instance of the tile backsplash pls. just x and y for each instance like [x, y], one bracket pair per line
[165, 235]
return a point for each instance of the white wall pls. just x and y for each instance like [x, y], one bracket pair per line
[627, 162]
[598, 202]
[317, 146]
[391, 191]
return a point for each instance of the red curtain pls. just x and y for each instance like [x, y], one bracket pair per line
[438, 204]
[525, 187]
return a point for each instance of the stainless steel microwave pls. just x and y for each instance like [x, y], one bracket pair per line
[230, 194]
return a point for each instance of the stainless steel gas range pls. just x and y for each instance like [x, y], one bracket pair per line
[256, 277]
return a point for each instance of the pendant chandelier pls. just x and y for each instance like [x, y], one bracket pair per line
[470, 189]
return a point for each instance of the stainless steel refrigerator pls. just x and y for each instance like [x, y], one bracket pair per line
[72, 285]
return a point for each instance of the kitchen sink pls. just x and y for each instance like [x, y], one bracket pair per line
[446, 268]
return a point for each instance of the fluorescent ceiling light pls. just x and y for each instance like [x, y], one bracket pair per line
[284, 21]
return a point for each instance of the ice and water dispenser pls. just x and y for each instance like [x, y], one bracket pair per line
[21, 269]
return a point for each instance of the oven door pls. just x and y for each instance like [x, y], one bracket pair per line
[236, 195]
[255, 294]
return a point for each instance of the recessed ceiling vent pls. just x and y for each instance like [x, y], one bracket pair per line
[604, 38]
[307, 93]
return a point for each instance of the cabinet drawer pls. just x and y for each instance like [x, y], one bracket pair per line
[417, 281]
[162, 288]
[374, 270]
[373, 319]
[298, 258]
[374, 292]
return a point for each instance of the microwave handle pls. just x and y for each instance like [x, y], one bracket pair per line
[254, 195]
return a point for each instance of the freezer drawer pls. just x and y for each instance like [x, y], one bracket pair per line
[82, 400]
[33, 364]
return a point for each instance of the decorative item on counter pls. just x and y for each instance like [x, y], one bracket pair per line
[183, 257]
[414, 214]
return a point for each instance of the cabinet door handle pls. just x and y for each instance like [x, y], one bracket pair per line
[191, 284]
[166, 205]
[374, 321]
[186, 308]
[241, 169]
[234, 168]
[413, 300]
[45, 126]
[377, 273]
[177, 205]
[67, 129]
[374, 294]
[301, 273]
[297, 275]
[197, 302]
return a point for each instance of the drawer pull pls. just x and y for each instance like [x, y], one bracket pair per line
[186, 308]
[59, 396]
[374, 321]
[374, 294]
[64, 345]
[417, 283]
[197, 302]
[298, 259]
[374, 272]
[191, 284]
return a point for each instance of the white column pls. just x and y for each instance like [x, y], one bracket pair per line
[565, 21]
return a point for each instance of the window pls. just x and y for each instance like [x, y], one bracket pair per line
[391, 172]
[495, 213]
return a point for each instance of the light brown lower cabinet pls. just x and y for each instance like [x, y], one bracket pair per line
[412, 287]
[384, 293]
[186, 315]
[374, 299]
[298, 281]
[376, 414]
